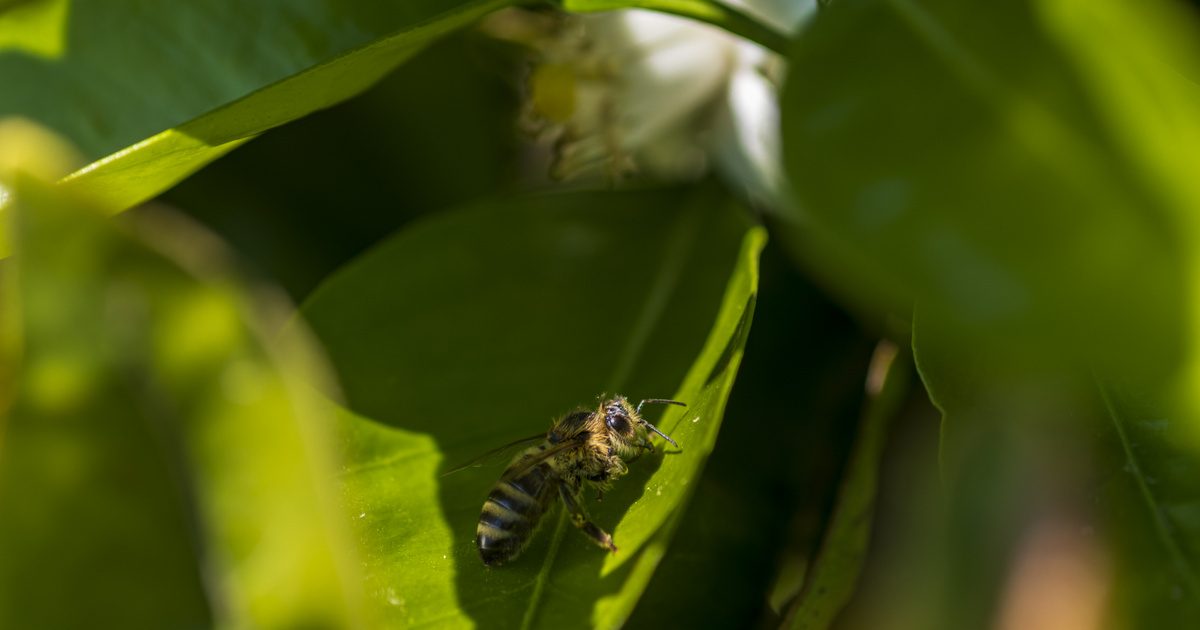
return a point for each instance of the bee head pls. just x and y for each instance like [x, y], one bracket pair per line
[625, 423]
[621, 419]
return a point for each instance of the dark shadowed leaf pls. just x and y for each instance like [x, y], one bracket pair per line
[832, 576]
[435, 134]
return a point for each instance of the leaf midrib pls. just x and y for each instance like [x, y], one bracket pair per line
[675, 252]
[1164, 531]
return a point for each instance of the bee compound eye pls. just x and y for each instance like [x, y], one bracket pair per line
[618, 423]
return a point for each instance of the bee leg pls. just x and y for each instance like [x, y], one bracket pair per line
[599, 480]
[621, 469]
[580, 519]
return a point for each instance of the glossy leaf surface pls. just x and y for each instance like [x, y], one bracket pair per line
[199, 79]
[478, 327]
[125, 70]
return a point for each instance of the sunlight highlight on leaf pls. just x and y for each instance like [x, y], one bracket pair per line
[36, 27]
[134, 175]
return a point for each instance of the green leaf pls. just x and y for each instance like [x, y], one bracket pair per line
[163, 461]
[757, 513]
[187, 83]
[126, 70]
[831, 579]
[392, 153]
[1151, 504]
[478, 327]
[1017, 167]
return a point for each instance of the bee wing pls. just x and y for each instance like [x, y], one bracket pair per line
[495, 453]
[530, 462]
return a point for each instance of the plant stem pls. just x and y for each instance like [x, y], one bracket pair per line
[708, 11]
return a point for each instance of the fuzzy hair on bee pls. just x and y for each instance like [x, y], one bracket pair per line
[582, 449]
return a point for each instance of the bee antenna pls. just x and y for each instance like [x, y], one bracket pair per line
[663, 435]
[659, 401]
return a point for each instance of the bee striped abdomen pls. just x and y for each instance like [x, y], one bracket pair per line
[512, 512]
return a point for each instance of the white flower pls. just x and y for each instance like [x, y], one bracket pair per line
[638, 91]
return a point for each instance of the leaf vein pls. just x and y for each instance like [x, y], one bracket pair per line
[385, 462]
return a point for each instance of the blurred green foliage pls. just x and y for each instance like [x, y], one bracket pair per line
[1027, 185]
[994, 188]
[160, 441]
[174, 453]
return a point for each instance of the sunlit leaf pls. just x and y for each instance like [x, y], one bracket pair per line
[34, 27]
[180, 84]
[479, 327]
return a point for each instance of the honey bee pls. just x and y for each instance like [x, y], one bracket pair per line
[582, 448]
